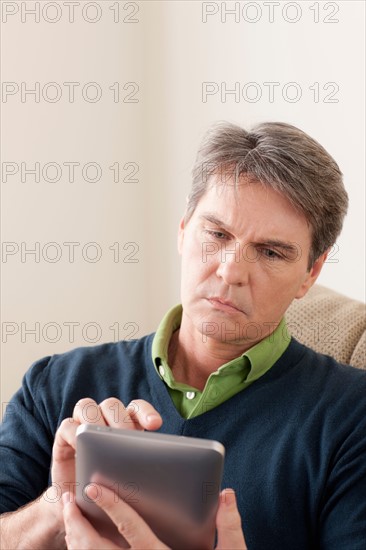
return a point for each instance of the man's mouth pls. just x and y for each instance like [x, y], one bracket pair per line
[224, 305]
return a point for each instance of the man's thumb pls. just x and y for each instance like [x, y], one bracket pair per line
[228, 522]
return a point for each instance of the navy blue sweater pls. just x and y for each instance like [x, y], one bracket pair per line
[295, 439]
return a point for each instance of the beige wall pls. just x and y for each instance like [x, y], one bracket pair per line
[170, 51]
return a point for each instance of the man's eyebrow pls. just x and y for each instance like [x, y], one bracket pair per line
[212, 219]
[276, 243]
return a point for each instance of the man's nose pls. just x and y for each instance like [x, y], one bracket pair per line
[232, 267]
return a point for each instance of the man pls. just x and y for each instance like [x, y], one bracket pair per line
[265, 208]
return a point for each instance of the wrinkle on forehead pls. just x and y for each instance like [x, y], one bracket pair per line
[258, 213]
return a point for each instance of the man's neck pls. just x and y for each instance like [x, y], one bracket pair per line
[192, 359]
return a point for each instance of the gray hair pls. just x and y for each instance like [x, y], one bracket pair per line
[282, 157]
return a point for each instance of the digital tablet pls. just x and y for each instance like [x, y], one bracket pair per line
[173, 482]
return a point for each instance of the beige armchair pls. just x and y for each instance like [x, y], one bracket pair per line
[330, 323]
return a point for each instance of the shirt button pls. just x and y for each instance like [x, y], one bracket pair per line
[161, 370]
[190, 395]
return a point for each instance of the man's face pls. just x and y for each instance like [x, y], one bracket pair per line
[244, 259]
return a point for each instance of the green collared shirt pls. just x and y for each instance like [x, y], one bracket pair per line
[227, 380]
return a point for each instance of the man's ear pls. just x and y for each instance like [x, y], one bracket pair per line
[312, 275]
[181, 234]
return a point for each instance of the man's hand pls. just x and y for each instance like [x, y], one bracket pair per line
[40, 524]
[138, 415]
[80, 533]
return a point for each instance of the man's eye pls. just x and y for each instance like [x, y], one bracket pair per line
[270, 254]
[216, 234]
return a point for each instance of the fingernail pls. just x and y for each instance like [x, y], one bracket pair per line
[229, 497]
[92, 491]
[150, 417]
[66, 498]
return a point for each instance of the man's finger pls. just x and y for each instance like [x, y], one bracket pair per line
[64, 444]
[131, 526]
[138, 415]
[80, 534]
[228, 521]
[87, 411]
[144, 414]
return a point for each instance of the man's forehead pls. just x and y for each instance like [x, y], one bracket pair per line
[238, 193]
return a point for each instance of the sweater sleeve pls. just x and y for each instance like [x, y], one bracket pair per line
[26, 441]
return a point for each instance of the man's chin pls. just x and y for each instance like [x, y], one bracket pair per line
[225, 329]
